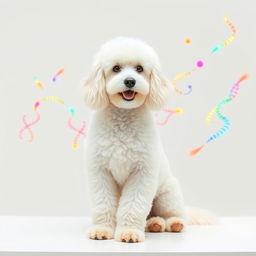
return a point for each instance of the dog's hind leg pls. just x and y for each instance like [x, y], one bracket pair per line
[169, 205]
[155, 224]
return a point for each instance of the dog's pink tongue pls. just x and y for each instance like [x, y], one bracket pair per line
[128, 94]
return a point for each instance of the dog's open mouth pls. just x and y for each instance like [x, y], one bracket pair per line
[128, 95]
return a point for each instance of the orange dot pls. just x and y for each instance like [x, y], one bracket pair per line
[187, 41]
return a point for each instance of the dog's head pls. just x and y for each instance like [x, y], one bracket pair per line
[126, 73]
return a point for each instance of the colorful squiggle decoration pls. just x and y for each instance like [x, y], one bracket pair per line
[177, 78]
[189, 90]
[168, 116]
[38, 83]
[57, 74]
[226, 121]
[200, 63]
[231, 37]
[217, 110]
[210, 115]
[80, 132]
[28, 125]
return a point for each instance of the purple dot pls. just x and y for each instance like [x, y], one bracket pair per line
[200, 64]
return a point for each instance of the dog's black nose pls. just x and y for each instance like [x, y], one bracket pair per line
[129, 82]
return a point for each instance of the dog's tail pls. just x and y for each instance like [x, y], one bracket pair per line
[197, 216]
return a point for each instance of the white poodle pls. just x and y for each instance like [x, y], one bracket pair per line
[131, 185]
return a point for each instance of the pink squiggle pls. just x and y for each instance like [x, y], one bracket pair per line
[169, 115]
[74, 128]
[80, 132]
[28, 125]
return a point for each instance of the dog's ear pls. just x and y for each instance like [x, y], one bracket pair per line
[95, 89]
[159, 90]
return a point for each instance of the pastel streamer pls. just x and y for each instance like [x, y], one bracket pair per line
[52, 98]
[200, 63]
[28, 125]
[80, 132]
[168, 116]
[230, 38]
[38, 83]
[226, 121]
[217, 110]
[179, 77]
[210, 115]
[58, 74]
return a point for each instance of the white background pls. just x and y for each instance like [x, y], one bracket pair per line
[37, 38]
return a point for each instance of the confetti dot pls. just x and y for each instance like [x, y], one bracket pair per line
[187, 41]
[71, 110]
[216, 48]
[37, 104]
[200, 64]
[178, 110]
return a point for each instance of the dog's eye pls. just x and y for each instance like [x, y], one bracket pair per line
[139, 68]
[116, 68]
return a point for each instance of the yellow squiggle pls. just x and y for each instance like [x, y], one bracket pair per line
[210, 115]
[53, 98]
[177, 78]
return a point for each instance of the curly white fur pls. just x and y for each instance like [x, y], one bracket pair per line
[128, 172]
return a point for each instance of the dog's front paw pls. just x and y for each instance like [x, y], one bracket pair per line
[99, 232]
[129, 235]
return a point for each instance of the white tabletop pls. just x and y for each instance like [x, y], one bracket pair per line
[68, 234]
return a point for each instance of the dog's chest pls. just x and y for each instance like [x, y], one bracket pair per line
[121, 141]
[122, 147]
[124, 153]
